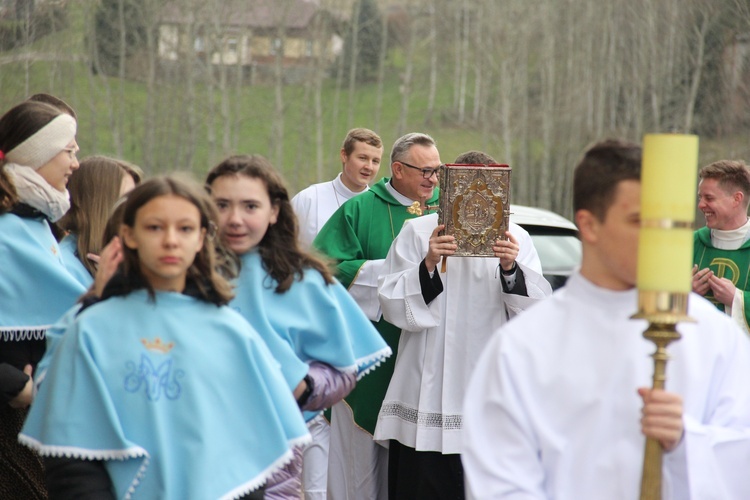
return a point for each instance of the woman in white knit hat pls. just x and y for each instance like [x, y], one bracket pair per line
[37, 155]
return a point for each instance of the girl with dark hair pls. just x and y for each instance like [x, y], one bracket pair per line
[94, 189]
[37, 155]
[159, 388]
[291, 290]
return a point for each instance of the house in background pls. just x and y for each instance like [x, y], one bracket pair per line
[251, 34]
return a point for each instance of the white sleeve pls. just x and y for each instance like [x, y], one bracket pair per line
[714, 454]
[399, 289]
[364, 288]
[302, 206]
[501, 454]
[737, 310]
[536, 285]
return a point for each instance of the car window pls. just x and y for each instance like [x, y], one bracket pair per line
[559, 254]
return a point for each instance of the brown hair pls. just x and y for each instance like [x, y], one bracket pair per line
[475, 158]
[16, 125]
[283, 258]
[94, 188]
[603, 166]
[54, 101]
[731, 176]
[356, 135]
[202, 274]
[114, 222]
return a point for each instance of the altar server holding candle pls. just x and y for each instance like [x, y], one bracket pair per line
[558, 406]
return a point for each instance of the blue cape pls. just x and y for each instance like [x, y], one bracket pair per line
[177, 396]
[321, 322]
[69, 252]
[35, 287]
[52, 340]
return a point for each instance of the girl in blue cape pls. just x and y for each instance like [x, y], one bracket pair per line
[37, 155]
[94, 190]
[293, 292]
[159, 390]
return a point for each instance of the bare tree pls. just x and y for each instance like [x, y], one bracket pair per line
[382, 58]
[406, 80]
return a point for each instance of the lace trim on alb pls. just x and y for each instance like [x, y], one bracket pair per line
[420, 418]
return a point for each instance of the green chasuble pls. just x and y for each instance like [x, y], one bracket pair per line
[731, 264]
[363, 229]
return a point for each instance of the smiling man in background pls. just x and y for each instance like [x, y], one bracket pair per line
[722, 250]
[360, 159]
[358, 237]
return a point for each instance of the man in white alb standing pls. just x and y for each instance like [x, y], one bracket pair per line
[360, 153]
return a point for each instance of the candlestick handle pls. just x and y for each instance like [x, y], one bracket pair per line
[661, 334]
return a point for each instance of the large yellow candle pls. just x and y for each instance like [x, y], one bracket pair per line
[668, 192]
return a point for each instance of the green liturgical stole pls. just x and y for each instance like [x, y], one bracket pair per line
[733, 265]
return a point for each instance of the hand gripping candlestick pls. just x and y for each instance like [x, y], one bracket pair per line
[665, 257]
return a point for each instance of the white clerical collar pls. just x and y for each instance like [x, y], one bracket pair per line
[603, 299]
[343, 191]
[399, 197]
[731, 239]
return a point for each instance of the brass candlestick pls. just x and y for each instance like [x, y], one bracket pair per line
[662, 310]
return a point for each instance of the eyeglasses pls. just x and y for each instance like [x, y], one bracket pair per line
[426, 172]
[71, 152]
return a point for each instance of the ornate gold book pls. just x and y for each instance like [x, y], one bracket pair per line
[474, 206]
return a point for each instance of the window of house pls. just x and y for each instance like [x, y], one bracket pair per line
[276, 47]
[232, 45]
[308, 48]
[200, 44]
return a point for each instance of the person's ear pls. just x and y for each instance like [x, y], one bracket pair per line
[274, 213]
[126, 232]
[343, 155]
[588, 225]
[739, 198]
[397, 168]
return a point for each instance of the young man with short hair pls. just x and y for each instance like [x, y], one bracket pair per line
[722, 247]
[560, 403]
[360, 155]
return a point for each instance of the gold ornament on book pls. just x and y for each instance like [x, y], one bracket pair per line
[475, 206]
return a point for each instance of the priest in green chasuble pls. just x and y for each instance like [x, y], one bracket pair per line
[722, 247]
[357, 237]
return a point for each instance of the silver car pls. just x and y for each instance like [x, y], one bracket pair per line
[555, 238]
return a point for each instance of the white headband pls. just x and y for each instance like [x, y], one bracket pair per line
[48, 141]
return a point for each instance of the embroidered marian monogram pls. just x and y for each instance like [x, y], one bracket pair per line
[156, 380]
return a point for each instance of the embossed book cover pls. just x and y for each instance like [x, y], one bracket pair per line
[474, 206]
